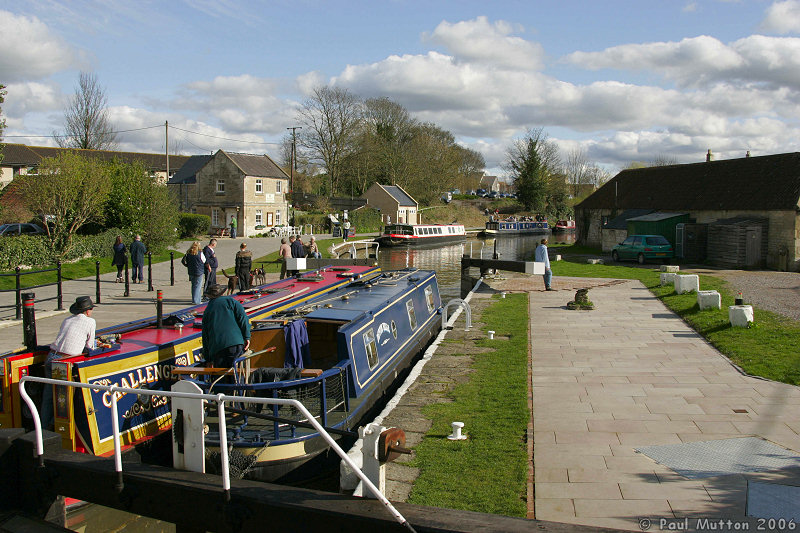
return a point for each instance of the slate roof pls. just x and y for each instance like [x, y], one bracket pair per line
[621, 221]
[762, 183]
[188, 172]
[400, 195]
[32, 155]
[256, 165]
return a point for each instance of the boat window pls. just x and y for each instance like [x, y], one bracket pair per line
[371, 348]
[394, 330]
[412, 318]
[429, 298]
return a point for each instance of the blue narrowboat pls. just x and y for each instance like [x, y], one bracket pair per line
[496, 228]
[356, 344]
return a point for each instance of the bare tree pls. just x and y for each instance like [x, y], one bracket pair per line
[330, 119]
[662, 160]
[2, 120]
[582, 173]
[86, 122]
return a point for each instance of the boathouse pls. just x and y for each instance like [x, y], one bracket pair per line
[749, 203]
[395, 204]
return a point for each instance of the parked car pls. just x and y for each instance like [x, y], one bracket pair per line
[15, 229]
[643, 247]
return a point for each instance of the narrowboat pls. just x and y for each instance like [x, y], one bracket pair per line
[360, 341]
[495, 228]
[419, 234]
[564, 225]
[142, 355]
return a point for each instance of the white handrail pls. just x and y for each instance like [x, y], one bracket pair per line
[223, 436]
[352, 248]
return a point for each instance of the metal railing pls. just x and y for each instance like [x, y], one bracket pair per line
[221, 400]
[18, 273]
[352, 247]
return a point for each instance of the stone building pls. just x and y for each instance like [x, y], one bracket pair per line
[251, 188]
[395, 204]
[755, 197]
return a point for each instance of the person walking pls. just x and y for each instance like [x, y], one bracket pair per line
[75, 335]
[211, 264]
[138, 249]
[284, 252]
[243, 265]
[120, 257]
[346, 229]
[226, 329]
[233, 224]
[313, 250]
[194, 261]
[541, 256]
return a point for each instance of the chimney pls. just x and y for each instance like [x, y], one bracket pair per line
[709, 156]
[747, 154]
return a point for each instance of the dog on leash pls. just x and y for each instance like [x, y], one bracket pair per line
[233, 282]
[257, 277]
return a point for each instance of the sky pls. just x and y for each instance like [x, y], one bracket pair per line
[622, 80]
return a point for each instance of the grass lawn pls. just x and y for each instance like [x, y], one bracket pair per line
[488, 471]
[770, 349]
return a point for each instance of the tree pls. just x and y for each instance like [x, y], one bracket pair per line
[531, 161]
[86, 122]
[69, 191]
[2, 120]
[582, 175]
[137, 203]
[330, 119]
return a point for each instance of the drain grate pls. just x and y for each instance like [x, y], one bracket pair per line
[722, 457]
[773, 501]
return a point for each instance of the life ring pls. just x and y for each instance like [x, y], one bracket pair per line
[539, 225]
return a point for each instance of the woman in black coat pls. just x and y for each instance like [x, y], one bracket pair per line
[244, 263]
[120, 257]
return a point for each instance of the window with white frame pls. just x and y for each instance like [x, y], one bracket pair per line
[259, 186]
[220, 186]
[215, 217]
[278, 217]
[278, 187]
[258, 217]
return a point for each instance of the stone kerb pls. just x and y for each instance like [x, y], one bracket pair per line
[740, 316]
[687, 283]
[667, 278]
[670, 268]
[709, 299]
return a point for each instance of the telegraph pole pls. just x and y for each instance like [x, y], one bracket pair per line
[292, 166]
[166, 148]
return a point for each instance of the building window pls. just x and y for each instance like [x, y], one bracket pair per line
[259, 187]
[278, 217]
[258, 217]
[215, 217]
[220, 186]
[278, 185]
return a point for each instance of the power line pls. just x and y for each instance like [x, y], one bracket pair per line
[61, 136]
[223, 138]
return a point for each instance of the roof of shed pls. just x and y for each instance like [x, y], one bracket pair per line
[621, 221]
[400, 195]
[769, 182]
[655, 217]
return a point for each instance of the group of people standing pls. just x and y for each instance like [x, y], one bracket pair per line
[120, 258]
[295, 248]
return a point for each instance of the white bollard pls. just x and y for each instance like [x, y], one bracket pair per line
[667, 278]
[372, 468]
[491, 334]
[502, 295]
[670, 268]
[595, 261]
[709, 299]
[557, 258]
[456, 435]
[740, 316]
[687, 283]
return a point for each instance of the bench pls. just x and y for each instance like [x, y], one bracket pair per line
[220, 232]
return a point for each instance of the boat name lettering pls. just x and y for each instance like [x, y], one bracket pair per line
[140, 407]
[136, 378]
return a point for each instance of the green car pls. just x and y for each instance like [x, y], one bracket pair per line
[643, 247]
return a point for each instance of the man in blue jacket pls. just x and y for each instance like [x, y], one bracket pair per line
[226, 329]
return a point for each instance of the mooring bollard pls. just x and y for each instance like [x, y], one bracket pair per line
[29, 320]
[60, 288]
[18, 293]
[159, 309]
[491, 334]
[172, 268]
[149, 271]
[97, 280]
[127, 279]
[456, 435]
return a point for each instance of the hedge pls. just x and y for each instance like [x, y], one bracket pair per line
[35, 251]
[191, 225]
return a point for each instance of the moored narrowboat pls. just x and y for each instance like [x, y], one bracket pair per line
[142, 355]
[359, 342]
[564, 225]
[495, 228]
[421, 234]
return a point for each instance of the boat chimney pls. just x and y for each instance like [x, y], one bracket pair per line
[747, 154]
[709, 156]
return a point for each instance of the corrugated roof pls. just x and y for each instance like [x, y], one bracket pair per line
[400, 195]
[621, 221]
[655, 217]
[769, 182]
[256, 165]
[188, 172]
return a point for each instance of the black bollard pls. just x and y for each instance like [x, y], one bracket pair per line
[149, 271]
[29, 320]
[495, 255]
[172, 268]
[159, 309]
[60, 288]
[97, 281]
[18, 293]
[127, 279]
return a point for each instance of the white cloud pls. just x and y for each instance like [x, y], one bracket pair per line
[479, 41]
[782, 17]
[31, 51]
[32, 97]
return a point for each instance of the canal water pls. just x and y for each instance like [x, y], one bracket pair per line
[446, 260]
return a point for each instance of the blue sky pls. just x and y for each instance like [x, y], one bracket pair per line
[621, 80]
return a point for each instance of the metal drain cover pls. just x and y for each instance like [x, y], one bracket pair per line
[722, 457]
[773, 500]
